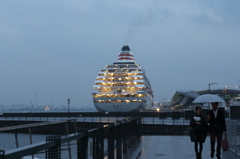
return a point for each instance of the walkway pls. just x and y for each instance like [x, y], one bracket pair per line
[171, 147]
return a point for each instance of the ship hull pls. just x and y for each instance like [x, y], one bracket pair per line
[123, 107]
[132, 107]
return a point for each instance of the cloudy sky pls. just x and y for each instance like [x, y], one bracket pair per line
[55, 48]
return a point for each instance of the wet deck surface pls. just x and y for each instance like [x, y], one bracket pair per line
[167, 147]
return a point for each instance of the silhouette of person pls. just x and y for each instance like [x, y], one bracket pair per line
[217, 126]
[198, 132]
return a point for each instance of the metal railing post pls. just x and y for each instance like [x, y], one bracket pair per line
[16, 137]
[102, 143]
[2, 154]
[94, 144]
[30, 135]
[119, 140]
[69, 147]
[82, 146]
[111, 142]
[235, 136]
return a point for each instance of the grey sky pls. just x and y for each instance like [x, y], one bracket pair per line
[57, 47]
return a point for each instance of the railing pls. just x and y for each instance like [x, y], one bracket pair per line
[124, 132]
[169, 118]
[233, 136]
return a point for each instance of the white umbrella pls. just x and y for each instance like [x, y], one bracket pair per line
[208, 98]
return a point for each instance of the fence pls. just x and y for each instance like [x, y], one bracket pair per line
[124, 132]
[233, 136]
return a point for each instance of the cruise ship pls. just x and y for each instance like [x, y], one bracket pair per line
[122, 86]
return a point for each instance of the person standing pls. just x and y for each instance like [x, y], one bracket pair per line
[198, 132]
[217, 127]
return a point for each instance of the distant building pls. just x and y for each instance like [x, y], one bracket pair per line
[184, 99]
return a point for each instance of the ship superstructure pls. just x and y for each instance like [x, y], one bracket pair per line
[122, 86]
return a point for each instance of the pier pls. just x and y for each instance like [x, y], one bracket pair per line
[106, 135]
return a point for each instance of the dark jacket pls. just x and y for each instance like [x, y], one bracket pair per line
[218, 123]
[198, 132]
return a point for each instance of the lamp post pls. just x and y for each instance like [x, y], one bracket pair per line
[68, 107]
[209, 86]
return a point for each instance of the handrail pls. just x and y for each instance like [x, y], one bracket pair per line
[53, 142]
[34, 148]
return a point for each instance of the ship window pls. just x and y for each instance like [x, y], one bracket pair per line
[119, 91]
[114, 101]
[100, 101]
[94, 101]
[134, 101]
[127, 101]
[119, 101]
[108, 101]
[140, 101]
[120, 95]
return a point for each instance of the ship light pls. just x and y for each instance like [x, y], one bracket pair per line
[105, 125]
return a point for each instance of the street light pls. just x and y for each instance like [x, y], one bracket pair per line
[209, 86]
[68, 107]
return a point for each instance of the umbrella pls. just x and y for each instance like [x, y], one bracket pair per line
[208, 98]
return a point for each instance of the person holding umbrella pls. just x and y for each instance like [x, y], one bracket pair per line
[217, 126]
[216, 119]
[198, 132]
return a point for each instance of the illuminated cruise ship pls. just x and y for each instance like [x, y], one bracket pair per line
[122, 86]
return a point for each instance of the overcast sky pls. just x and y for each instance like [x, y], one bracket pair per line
[56, 48]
